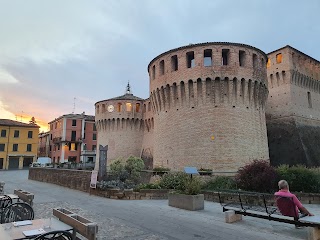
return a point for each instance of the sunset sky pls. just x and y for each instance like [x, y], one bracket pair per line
[61, 56]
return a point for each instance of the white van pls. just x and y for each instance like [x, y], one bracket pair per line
[42, 162]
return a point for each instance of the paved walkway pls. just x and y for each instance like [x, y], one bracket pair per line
[148, 219]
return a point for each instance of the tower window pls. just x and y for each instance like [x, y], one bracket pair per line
[162, 67]
[153, 72]
[119, 107]
[190, 60]
[174, 63]
[207, 58]
[242, 58]
[129, 107]
[279, 58]
[137, 107]
[254, 61]
[225, 56]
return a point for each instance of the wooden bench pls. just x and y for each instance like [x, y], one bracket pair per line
[24, 196]
[80, 225]
[260, 205]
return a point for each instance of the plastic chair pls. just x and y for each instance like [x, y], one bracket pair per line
[17, 212]
[55, 235]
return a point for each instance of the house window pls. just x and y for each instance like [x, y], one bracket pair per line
[268, 63]
[279, 58]
[225, 56]
[16, 133]
[74, 122]
[58, 146]
[309, 100]
[73, 135]
[207, 58]
[30, 133]
[94, 147]
[73, 147]
[94, 127]
[94, 136]
[190, 60]
[129, 107]
[161, 67]
[29, 147]
[3, 133]
[2, 146]
[55, 125]
[174, 63]
[15, 147]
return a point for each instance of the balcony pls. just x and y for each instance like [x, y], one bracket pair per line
[88, 153]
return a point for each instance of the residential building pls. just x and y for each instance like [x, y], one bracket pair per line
[73, 138]
[18, 144]
[44, 144]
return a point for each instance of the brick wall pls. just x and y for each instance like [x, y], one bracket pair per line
[209, 116]
[74, 179]
[293, 116]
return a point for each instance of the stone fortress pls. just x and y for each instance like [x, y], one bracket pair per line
[208, 105]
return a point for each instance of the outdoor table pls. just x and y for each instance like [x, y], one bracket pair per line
[16, 233]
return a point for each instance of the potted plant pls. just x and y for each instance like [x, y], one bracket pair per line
[188, 195]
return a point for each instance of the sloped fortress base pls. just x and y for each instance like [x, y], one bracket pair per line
[188, 202]
[294, 140]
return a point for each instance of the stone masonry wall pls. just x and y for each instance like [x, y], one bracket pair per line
[209, 116]
[74, 179]
[293, 116]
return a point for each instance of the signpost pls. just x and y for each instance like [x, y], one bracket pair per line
[103, 151]
[191, 170]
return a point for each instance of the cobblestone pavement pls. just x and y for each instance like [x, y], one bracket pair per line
[148, 219]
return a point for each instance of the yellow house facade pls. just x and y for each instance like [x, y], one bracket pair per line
[18, 144]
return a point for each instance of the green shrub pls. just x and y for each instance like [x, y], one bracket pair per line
[118, 171]
[147, 186]
[220, 182]
[257, 176]
[193, 186]
[161, 169]
[133, 166]
[174, 180]
[300, 178]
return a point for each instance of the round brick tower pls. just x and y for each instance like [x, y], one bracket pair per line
[209, 106]
[119, 123]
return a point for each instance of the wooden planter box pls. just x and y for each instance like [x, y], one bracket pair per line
[188, 202]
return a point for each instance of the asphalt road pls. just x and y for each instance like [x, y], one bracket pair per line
[148, 219]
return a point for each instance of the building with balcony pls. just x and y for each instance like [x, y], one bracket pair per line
[73, 138]
[18, 144]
